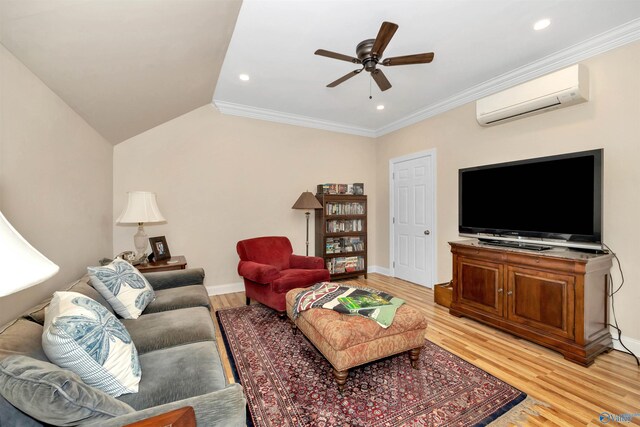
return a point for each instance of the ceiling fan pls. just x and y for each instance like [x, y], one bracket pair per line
[370, 55]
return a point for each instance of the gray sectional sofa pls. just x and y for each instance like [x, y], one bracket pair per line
[175, 339]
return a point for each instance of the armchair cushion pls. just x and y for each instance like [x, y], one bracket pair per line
[306, 262]
[260, 273]
[274, 251]
[294, 277]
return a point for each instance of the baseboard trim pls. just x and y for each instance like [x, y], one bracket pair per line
[227, 288]
[380, 270]
[631, 343]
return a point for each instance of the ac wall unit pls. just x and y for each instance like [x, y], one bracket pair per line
[556, 90]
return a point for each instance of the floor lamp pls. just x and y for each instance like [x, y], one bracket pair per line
[307, 201]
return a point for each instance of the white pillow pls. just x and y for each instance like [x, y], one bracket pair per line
[123, 286]
[84, 337]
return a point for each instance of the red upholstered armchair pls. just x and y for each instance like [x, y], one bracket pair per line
[270, 270]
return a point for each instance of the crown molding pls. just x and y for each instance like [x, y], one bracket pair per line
[619, 36]
[290, 119]
[596, 45]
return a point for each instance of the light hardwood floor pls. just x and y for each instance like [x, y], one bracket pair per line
[576, 395]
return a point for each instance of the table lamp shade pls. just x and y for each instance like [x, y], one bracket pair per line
[21, 265]
[307, 201]
[141, 208]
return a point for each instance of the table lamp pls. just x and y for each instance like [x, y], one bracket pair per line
[307, 201]
[141, 209]
[21, 265]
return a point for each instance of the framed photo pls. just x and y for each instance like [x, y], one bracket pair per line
[160, 248]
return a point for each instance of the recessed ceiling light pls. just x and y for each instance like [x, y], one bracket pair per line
[541, 24]
[244, 77]
[380, 107]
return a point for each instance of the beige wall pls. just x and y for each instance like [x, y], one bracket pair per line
[55, 180]
[611, 120]
[220, 179]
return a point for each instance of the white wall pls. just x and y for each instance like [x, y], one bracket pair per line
[55, 181]
[220, 179]
[610, 120]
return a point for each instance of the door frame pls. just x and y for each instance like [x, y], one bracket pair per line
[431, 208]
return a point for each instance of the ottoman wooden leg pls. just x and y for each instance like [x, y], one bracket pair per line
[341, 378]
[414, 355]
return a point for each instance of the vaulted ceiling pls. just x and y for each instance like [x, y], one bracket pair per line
[128, 65]
[124, 65]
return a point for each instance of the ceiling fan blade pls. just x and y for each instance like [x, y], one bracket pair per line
[335, 55]
[381, 79]
[420, 58]
[344, 78]
[387, 30]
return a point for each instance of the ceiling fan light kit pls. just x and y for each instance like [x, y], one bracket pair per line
[369, 53]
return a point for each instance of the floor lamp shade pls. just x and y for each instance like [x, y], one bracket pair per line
[307, 201]
[142, 208]
[21, 265]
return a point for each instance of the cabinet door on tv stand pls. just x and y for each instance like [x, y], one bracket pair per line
[541, 300]
[480, 285]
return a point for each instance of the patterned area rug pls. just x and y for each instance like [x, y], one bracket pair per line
[287, 382]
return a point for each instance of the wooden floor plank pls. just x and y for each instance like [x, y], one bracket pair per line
[575, 395]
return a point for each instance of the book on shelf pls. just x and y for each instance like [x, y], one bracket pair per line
[356, 188]
[336, 245]
[344, 225]
[345, 264]
[342, 208]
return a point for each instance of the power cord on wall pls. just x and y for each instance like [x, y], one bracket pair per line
[613, 307]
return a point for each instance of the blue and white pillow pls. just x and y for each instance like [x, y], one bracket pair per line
[123, 286]
[82, 336]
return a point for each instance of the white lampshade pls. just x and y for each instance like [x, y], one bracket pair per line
[141, 208]
[21, 265]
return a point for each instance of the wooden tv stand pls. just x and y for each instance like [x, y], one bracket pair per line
[556, 298]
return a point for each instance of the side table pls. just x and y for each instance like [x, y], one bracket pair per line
[183, 417]
[174, 263]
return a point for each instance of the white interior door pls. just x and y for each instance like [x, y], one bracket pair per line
[412, 221]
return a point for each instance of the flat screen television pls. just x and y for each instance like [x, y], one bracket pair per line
[557, 198]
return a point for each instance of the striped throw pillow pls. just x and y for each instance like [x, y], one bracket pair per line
[81, 335]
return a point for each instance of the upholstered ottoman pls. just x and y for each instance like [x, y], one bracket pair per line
[347, 341]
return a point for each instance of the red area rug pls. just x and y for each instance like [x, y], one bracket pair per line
[287, 382]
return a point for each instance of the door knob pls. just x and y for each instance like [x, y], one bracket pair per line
[427, 232]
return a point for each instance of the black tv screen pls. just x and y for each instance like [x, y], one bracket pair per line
[556, 197]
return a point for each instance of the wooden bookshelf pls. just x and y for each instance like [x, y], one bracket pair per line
[341, 234]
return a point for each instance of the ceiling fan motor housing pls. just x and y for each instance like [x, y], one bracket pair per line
[363, 50]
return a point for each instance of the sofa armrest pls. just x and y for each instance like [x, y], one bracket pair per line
[306, 262]
[175, 278]
[223, 408]
[260, 273]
